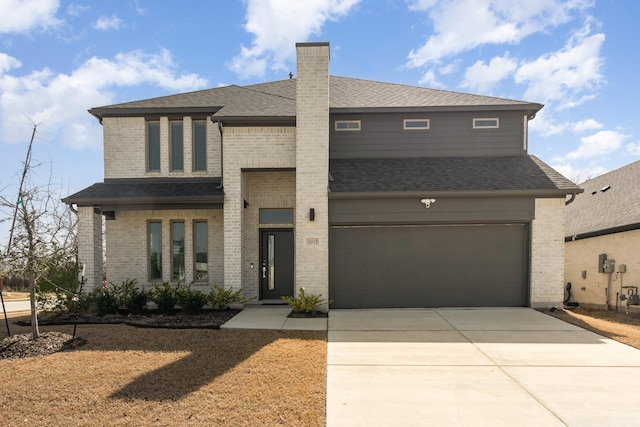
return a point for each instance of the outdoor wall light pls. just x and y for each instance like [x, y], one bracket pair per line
[312, 214]
[427, 202]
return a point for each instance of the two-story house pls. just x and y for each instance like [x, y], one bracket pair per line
[371, 194]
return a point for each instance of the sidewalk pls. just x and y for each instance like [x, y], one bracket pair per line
[273, 317]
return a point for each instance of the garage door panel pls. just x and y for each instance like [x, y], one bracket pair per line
[428, 266]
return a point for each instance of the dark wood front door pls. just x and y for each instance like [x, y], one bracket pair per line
[276, 263]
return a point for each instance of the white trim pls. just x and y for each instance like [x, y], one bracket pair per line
[426, 121]
[525, 137]
[349, 124]
[496, 126]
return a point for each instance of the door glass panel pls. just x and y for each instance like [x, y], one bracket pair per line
[271, 261]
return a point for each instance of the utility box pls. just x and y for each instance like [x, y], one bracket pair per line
[609, 266]
[601, 259]
[622, 268]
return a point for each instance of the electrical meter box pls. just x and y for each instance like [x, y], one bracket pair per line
[622, 268]
[601, 259]
[609, 266]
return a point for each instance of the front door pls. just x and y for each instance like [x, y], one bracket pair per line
[276, 263]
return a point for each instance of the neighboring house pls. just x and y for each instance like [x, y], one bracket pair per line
[371, 194]
[603, 227]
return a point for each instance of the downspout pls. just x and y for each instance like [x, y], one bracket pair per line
[573, 197]
[221, 129]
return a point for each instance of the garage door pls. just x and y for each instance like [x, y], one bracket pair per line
[479, 265]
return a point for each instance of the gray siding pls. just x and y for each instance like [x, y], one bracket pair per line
[444, 210]
[451, 134]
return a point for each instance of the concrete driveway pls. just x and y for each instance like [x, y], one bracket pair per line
[475, 367]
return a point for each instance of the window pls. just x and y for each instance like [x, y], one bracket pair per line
[153, 146]
[200, 145]
[155, 250]
[415, 124]
[177, 251]
[201, 251]
[177, 146]
[485, 123]
[347, 125]
[276, 216]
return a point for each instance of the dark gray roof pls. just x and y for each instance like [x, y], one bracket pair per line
[278, 99]
[149, 191]
[610, 202]
[437, 175]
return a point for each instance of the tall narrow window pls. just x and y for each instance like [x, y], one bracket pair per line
[153, 146]
[155, 250]
[200, 145]
[201, 250]
[177, 251]
[177, 146]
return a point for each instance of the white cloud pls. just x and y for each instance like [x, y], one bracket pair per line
[105, 23]
[599, 144]
[60, 101]
[75, 9]
[565, 75]
[578, 174]
[429, 79]
[277, 25]
[8, 63]
[586, 125]
[633, 148]
[462, 25]
[482, 77]
[546, 125]
[22, 16]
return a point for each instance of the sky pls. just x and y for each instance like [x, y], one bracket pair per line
[59, 58]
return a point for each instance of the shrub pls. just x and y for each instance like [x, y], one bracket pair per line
[165, 296]
[220, 298]
[305, 303]
[130, 297]
[61, 300]
[105, 300]
[191, 300]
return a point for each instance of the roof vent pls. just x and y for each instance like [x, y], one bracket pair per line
[605, 188]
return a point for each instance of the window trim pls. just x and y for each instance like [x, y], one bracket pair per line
[171, 142]
[348, 128]
[148, 146]
[193, 148]
[477, 119]
[195, 252]
[149, 262]
[410, 128]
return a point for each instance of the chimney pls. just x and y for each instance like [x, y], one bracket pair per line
[312, 168]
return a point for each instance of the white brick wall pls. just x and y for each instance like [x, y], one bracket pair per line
[582, 255]
[312, 169]
[90, 246]
[127, 250]
[248, 148]
[125, 148]
[547, 253]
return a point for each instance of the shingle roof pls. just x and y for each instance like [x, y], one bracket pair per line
[149, 191]
[518, 174]
[609, 201]
[278, 99]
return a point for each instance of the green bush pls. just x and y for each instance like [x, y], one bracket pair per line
[59, 300]
[130, 297]
[106, 301]
[304, 303]
[220, 298]
[191, 300]
[165, 296]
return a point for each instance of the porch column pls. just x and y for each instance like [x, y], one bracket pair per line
[90, 246]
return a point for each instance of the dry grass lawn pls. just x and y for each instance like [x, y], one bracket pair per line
[128, 376]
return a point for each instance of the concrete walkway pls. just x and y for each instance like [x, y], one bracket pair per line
[273, 317]
[475, 367]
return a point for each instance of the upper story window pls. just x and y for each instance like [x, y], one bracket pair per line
[347, 125]
[199, 145]
[486, 123]
[416, 124]
[176, 141]
[153, 146]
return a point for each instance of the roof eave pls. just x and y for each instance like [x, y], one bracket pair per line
[526, 108]
[547, 193]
